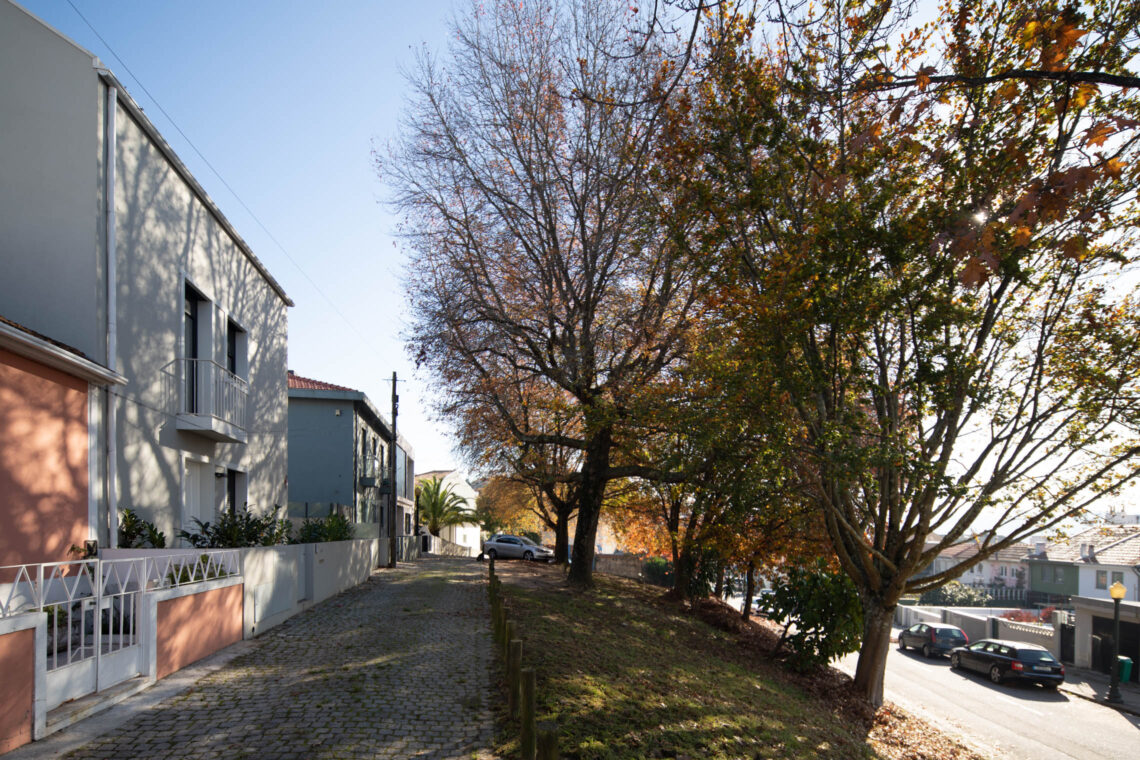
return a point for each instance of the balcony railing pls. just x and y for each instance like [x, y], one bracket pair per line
[210, 399]
[372, 472]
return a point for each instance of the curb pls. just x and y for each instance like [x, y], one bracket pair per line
[1121, 707]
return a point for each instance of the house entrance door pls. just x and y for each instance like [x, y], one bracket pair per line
[198, 494]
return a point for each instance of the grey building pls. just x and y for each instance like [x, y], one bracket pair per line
[109, 244]
[339, 446]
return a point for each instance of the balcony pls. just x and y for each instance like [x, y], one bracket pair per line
[211, 400]
[372, 473]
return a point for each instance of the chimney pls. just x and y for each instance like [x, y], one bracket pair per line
[1084, 551]
[1038, 547]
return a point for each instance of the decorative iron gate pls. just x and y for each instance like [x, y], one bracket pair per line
[94, 613]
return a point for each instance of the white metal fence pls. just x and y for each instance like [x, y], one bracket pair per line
[92, 606]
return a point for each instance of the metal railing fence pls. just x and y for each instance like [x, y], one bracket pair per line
[92, 605]
[202, 386]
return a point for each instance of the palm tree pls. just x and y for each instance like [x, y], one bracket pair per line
[439, 507]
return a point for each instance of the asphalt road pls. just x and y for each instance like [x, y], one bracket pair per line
[1014, 721]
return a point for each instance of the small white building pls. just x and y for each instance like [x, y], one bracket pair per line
[466, 534]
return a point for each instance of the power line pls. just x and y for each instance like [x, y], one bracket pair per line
[221, 179]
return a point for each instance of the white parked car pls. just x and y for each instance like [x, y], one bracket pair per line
[516, 547]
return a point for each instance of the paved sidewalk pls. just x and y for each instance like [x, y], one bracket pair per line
[398, 667]
[1093, 685]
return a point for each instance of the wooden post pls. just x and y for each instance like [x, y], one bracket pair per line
[510, 635]
[514, 665]
[526, 739]
[547, 742]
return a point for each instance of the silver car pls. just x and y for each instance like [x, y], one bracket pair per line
[516, 547]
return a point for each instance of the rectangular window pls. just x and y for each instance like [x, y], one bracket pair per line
[231, 347]
[1002, 571]
[231, 491]
[1117, 577]
[1102, 579]
[1058, 575]
[190, 349]
[401, 472]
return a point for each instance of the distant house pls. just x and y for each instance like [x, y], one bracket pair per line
[339, 446]
[1085, 565]
[109, 245]
[466, 534]
[1002, 569]
[47, 390]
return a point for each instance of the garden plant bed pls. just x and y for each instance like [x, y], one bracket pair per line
[626, 672]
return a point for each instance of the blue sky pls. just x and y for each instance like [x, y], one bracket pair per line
[287, 100]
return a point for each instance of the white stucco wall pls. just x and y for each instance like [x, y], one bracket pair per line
[53, 248]
[168, 237]
[50, 192]
[1087, 581]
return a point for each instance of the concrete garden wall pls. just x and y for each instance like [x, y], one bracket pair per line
[282, 580]
[625, 565]
[22, 643]
[195, 625]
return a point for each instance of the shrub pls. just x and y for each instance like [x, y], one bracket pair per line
[237, 529]
[824, 609]
[1045, 616]
[658, 571]
[136, 533]
[954, 594]
[332, 528]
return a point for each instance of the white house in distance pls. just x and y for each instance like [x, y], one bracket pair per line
[109, 245]
[467, 534]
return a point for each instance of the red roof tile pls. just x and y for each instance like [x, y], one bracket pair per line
[308, 384]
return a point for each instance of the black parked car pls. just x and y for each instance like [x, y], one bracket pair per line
[1010, 659]
[932, 638]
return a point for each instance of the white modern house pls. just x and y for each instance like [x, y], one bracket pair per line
[109, 245]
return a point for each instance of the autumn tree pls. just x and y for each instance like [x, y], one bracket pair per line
[535, 256]
[504, 506]
[543, 477]
[939, 275]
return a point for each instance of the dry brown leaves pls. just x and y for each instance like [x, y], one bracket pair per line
[892, 732]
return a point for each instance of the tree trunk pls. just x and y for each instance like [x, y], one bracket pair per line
[718, 591]
[683, 572]
[562, 536]
[591, 493]
[749, 590]
[873, 651]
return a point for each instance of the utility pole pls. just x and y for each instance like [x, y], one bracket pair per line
[392, 479]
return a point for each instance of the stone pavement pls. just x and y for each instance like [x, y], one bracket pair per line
[398, 667]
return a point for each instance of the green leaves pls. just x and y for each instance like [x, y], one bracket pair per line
[440, 507]
[821, 613]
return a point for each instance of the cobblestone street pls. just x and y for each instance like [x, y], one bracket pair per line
[399, 667]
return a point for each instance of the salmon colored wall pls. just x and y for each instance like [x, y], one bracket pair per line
[17, 688]
[43, 462]
[191, 627]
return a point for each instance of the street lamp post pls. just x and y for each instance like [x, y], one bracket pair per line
[1116, 591]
